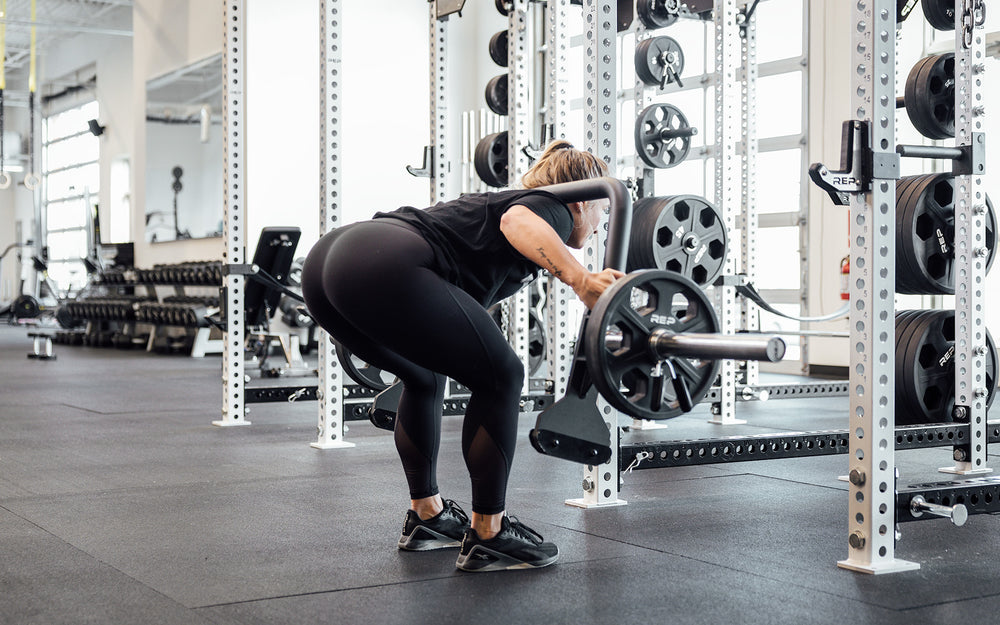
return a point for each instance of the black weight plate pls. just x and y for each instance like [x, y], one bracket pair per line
[498, 48]
[536, 343]
[928, 242]
[908, 267]
[632, 308]
[66, 318]
[930, 99]
[652, 147]
[913, 108]
[940, 14]
[496, 94]
[991, 233]
[491, 159]
[654, 56]
[929, 369]
[903, 272]
[683, 233]
[904, 400]
[503, 6]
[657, 13]
[536, 337]
[361, 372]
[25, 307]
[927, 383]
[903, 321]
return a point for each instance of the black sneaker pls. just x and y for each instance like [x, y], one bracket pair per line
[443, 530]
[516, 546]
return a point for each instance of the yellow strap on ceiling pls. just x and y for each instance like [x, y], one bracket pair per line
[32, 64]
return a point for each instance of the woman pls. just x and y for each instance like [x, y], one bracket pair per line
[407, 292]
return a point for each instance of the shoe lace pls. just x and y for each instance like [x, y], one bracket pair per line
[450, 504]
[525, 532]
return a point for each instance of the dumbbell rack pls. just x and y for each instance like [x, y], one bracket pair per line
[121, 319]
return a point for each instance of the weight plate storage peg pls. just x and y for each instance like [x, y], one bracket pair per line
[498, 48]
[659, 61]
[930, 96]
[656, 14]
[490, 159]
[681, 233]
[663, 136]
[620, 331]
[496, 94]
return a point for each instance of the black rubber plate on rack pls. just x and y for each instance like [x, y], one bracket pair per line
[681, 233]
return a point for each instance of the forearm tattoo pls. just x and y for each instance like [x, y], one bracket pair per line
[551, 265]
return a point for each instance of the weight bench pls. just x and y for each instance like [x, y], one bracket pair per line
[42, 348]
[272, 261]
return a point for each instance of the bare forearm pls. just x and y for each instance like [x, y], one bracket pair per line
[539, 243]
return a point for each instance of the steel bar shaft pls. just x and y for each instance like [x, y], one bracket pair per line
[929, 151]
[716, 346]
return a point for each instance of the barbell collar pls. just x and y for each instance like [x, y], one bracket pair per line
[666, 344]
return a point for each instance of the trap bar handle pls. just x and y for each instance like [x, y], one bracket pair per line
[666, 344]
[619, 212]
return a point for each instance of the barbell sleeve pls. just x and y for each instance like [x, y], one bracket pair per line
[666, 344]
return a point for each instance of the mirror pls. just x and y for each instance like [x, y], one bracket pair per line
[184, 153]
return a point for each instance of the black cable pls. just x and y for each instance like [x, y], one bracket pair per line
[267, 279]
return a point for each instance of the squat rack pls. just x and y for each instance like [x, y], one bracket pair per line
[330, 388]
[875, 501]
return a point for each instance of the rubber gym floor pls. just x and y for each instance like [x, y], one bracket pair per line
[121, 503]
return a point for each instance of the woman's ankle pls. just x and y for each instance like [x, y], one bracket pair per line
[487, 526]
[427, 507]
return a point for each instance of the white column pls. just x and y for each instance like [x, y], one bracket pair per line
[330, 389]
[234, 214]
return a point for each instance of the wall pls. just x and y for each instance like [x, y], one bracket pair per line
[829, 106]
[199, 202]
[167, 34]
[15, 205]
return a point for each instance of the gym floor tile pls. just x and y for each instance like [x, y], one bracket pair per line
[121, 503]
[652, 588]
[45, 581]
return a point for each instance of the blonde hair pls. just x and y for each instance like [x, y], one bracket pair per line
[561, 162]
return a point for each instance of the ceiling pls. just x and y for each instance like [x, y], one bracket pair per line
[56, 21]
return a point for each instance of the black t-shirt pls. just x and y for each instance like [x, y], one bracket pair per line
[469, 249]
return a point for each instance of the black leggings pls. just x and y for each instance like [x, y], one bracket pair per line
[370, 286]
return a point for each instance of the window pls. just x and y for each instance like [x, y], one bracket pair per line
[71, 183]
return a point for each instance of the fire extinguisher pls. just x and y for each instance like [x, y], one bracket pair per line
[845, 278]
